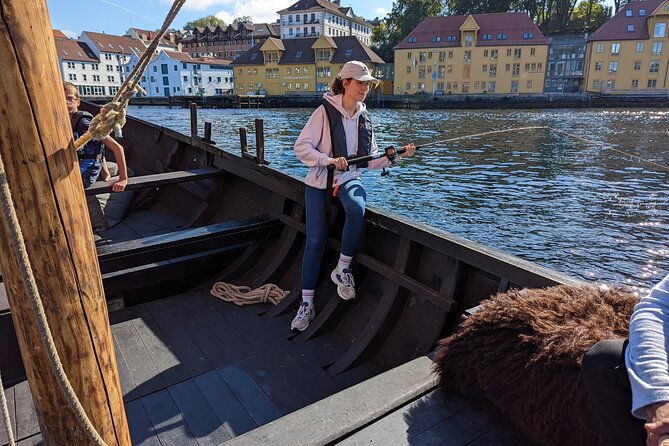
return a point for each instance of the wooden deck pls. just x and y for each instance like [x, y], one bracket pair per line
[197, 371]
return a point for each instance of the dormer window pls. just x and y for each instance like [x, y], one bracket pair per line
[642, 12]
[253, 57]
[525, 36]
[452, 38]
[629, 13]
[412, 40]
[436, 39]
[348, 52]
[298, 54]
[501, 36]
[487, 37]
[630, 28]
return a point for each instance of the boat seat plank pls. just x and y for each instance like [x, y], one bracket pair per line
[255, 401]
[198, 414]
[158, 179]
[181, 344]
[143, 371]
[141, 429]
[334, 417]
[224, 403]
[167, 421]
[9, 395]
[26, 416]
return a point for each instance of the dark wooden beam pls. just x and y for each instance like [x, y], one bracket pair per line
[158, 179]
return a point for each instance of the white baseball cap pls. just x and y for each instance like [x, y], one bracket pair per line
[358, 71]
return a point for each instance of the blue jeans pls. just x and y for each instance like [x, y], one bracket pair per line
[353, 197]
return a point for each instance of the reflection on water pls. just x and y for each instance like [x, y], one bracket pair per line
[594, 209]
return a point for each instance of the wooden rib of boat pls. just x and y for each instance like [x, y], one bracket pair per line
[196, 370]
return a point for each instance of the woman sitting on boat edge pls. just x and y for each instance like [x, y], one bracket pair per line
[336, 130]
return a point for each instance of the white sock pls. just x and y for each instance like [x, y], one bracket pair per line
[308, 296]
[344, 262]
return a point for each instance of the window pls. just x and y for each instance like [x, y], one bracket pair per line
[85, 78]
[421, 72]
[642, 12]
[96, 78]
[408, 70]
[615, 49]
[660, 29]
[484, 68]
[508, 52]
[271, 73]
[436, 39]
[469, 39]
[491, 87]
[600, 48]
[652, 83]
[166, 80]
[507, 67]
[494, 54]
[468, 56]
[412, 40]
[487, 37]
[613, 67]
[514, 86]
[492, 72]
[657, 48]
[529, 86]
[185, 78]
[628, 13]
[635, 83]
[533, 51]
[611, 84]
[639, 47]
[528, 35]
[598, 66]
[452, 39]
[654, 66]
[517, 53]
[450, 54]
[72, 77]
[408, 86]
[595, 84]
[516, 70]
[630, 28]
[442, 56]
[637, 65]
[501, 36]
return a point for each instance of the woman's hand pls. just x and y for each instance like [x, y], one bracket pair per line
[119, 186]
[410, 150]
[657, 428]
[339, 163]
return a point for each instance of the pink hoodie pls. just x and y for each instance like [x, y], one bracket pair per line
[314, 147]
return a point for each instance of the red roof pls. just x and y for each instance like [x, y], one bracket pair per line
[71, 50]
[58, 34]
[504, 29]
[616, 27]
[110, 43]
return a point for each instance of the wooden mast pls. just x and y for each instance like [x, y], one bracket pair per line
[42, 172]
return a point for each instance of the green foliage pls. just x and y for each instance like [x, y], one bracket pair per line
[591, 14]
[210, 20]
[242, 19]
[405, 16]
[464, 7]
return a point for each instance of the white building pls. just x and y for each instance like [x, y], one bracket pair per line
[172, 73]
[313, 18]
[167, 42]
[113, 52]
[79, 65]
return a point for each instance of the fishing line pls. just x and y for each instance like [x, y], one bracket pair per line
[571, 135]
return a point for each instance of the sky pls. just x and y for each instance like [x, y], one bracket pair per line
[116, 16]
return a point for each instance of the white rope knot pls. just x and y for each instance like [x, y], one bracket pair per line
[243, 295]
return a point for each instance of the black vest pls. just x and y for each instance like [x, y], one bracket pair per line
[338, 135]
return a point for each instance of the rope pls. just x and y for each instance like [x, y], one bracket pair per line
[243, 295]
[5, 414]
[12, 221]
[112, 115]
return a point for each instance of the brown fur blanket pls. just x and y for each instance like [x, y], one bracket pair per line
[523, 349]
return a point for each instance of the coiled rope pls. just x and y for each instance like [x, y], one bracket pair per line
[28, 278]
[112, 114]
[243, 295]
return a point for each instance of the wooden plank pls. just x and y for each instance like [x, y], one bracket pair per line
[160, 351]
[158, 179]
[335, 416]
[225, 404]
[26, 416]
[201, 419]
[400, 426]
[259, 406]
[460, 429]
[180, 343]
[317, 352]
[35, 440]
[143, 371]
[9, 395]
[128, 386]
[167, 421]
[141, 429]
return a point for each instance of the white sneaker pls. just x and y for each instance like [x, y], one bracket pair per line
[344, 281]
[305, 314]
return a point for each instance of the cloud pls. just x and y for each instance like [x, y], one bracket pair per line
[201, 5]
[382, 12]
[261, 11]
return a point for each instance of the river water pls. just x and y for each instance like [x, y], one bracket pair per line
[592, 202]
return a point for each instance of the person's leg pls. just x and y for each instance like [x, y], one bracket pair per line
[98, 219]
[314, 203]
[606, 381]
[353, 198]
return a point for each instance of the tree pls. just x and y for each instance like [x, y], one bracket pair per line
[210, 20]
[591, 14]
[242, 19]
[464, 7]
[405, 16]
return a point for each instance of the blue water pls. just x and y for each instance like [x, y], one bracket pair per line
[597, 209]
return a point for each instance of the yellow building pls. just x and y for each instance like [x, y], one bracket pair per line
[630, 52]
[479, 53]
[278, 67]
